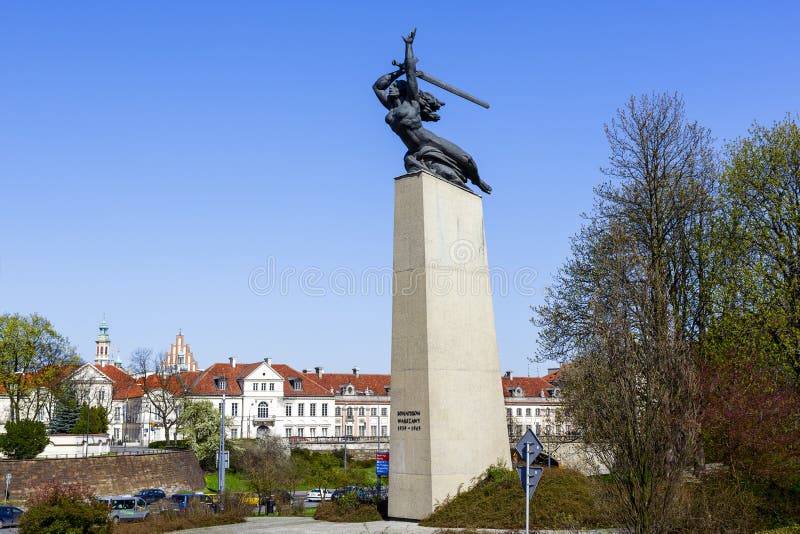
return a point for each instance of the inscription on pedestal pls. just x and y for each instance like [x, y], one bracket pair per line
[409, 420]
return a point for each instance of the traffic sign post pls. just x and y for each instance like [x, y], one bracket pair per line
[381, 467]
[528, 449]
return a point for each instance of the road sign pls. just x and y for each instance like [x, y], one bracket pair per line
[534, 475]
[381, 463]
[536, 445]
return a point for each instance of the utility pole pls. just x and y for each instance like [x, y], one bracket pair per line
[221, 454]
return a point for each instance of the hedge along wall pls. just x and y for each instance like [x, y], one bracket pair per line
[171, 471]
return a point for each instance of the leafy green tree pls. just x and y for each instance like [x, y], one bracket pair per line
[628, 307]
[758, 238]
[34, 358]
[267, 466]
[97, 417]
[751, 416]
[24, 439]
[199, 422]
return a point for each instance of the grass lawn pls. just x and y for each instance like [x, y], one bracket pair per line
[234, 482]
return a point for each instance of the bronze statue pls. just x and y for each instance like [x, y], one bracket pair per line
[408, 107]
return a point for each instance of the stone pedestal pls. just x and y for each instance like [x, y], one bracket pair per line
[448, 417]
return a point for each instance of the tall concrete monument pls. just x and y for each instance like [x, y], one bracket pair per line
[448, 417]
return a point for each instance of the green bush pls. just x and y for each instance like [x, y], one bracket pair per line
[24, 439]
[98, 421]
[65, 509]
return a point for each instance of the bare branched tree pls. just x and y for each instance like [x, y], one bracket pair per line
[628, 308]
[163, 392]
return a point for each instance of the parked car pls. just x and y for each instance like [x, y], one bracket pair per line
[151, 495]
[338, 493]
[181, 502]
[372, 493]
[281, 496]
[319, 494]
[9, 516]
[126, 508]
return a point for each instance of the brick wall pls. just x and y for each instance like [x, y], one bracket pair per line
[106, 475]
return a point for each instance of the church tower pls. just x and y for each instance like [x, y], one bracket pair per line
[102, 346]
[179, 358]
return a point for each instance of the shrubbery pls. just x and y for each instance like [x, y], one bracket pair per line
[179, 444]
[24, 439]
[65, 508]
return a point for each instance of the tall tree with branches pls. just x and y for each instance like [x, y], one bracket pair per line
[164, 393]
[33, 359]
[630, 304]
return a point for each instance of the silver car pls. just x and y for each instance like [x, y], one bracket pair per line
[127, 508]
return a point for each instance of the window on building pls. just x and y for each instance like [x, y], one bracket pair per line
[222, 383]
[255, 386]
[263, 410]
[361, 411]
[547, 430]
[527, 412]
[362, 430]
[312, 432]
[519, 430]
[373, 431]
[338, 410]
[324, 409]
[263, 386]
[234, 433]
[538, 411]
[519, 412]
[373, 412]
[300, 432]
[538, 428]
[349, 430]
[288, 410]
[101, 396]
[234, 409]
[116, 434]
[272, 386]
[508, 412]
[547, 412]
[301, 409]
[288, 432]
[337, 431]
[384, 430]
[312, 409]
[116, 414]
[325, 431]
[298, 384]
[349, 411]
[383, 412]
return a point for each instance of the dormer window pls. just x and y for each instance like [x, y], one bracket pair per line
[518, 392]
[297, 384]
[350, 390]
[221, 382]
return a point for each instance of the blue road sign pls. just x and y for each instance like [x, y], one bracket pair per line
[381, 463]
[536, 445]
[534, 476]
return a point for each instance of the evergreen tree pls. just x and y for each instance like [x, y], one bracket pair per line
[65, 416]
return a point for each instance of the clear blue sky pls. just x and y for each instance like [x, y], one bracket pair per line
[157, 157]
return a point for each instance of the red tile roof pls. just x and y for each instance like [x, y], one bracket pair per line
[125, 386]
[311, 386]
[376, 383]
[532, 386]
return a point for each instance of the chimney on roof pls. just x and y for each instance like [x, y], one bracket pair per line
[320, 371]
[551, 370]
[510, 374]
[232, 359]
[268, 361]
[355, 372]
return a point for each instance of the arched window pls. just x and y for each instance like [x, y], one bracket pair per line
[263, 410]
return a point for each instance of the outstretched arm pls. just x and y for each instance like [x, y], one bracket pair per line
[382, 83]
[410, 65]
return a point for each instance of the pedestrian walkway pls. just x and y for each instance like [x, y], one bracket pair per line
[308, 525]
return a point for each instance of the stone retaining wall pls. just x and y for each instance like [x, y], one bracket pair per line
[107, 475]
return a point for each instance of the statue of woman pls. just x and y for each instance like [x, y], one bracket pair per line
[408, 107]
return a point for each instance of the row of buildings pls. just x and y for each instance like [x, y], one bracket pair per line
[267, 397]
